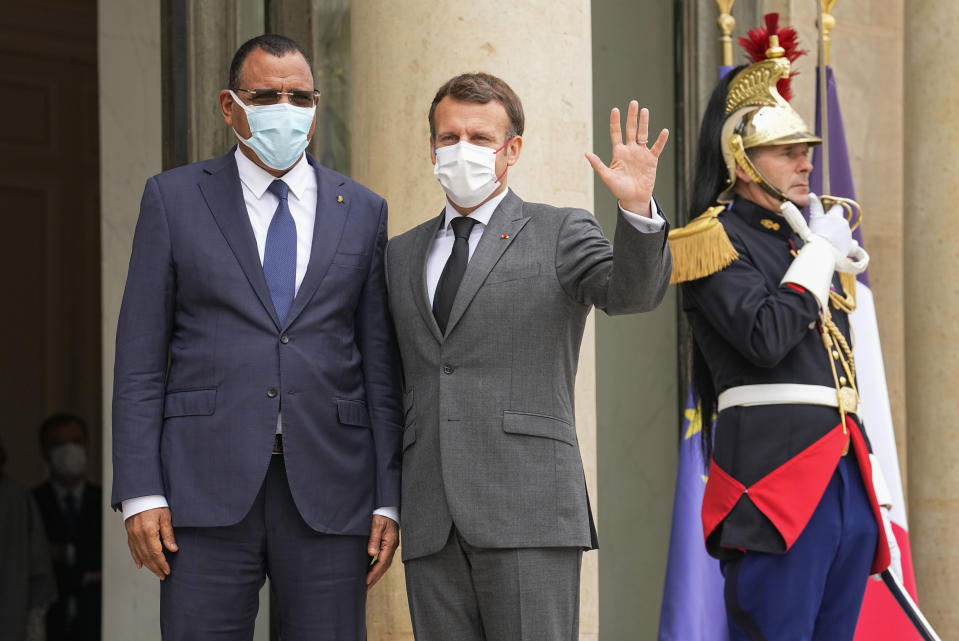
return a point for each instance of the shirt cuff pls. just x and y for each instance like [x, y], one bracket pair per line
[390, 512]
[641, 223]
[142, 504]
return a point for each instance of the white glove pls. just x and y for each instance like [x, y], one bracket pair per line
[832, 225]
[812, 268]
[854, 261]
[895, 557]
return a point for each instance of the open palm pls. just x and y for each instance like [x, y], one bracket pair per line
[631, 175]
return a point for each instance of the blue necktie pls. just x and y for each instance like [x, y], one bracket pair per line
[279, 255]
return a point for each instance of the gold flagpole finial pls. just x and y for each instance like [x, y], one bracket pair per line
[726, 23]
[828, 24]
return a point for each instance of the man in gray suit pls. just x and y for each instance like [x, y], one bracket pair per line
[489, 300]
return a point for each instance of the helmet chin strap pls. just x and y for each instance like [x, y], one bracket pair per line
[743, 161]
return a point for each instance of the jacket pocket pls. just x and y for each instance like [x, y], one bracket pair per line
[356, 261]
[539, 425]
[515, 273]
[192, 402]
[352, 412]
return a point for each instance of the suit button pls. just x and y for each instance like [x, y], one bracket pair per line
[284, 339]
[448, 369]
[271, 392]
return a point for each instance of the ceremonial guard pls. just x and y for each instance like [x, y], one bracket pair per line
[790, 507]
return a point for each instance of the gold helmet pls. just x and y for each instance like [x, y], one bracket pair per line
[758, 116]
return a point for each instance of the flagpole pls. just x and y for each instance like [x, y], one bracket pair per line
[826, 24]
[726, 24]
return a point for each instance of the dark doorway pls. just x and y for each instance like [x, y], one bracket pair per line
[49, 201]
[50, 361]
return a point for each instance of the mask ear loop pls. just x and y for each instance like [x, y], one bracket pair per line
[498, 178]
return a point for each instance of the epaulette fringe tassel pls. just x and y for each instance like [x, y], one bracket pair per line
[700, 248]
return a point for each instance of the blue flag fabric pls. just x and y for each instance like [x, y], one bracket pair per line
[693, 607]
[880, 616]
[840, 173]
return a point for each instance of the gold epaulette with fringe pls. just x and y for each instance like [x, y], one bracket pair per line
[700, 248]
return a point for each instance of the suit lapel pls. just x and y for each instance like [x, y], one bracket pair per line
[224, 196]
[503, 226]
[422, 243]
[331, 216]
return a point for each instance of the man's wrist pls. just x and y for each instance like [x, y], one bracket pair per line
[132, 507]
[637, 208]
[647, 225]
[391, 512]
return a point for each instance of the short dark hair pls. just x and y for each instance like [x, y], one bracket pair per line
[54, 421]
[273, 44]
[481, 88]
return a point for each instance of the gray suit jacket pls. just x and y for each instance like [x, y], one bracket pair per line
[490, 438]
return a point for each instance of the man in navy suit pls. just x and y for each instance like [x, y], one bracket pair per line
[257, 416]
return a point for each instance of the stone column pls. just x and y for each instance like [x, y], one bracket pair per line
[322, 28]
[401, 54]
[130, 151]
[213, 31]
[932, 306]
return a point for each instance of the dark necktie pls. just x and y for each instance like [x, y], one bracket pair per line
[71, 515]
[279, 255]
[452, 274]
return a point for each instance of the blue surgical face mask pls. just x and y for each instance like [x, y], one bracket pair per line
[278, 133]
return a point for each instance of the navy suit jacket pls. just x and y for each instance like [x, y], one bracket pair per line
[203, 366]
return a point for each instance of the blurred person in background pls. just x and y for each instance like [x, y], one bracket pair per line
[70, 506]
[27, 584]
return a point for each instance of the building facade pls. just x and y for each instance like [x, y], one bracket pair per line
[146, 88]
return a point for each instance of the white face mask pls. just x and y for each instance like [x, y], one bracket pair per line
[467, 172]
[69, 459]
[278, 133]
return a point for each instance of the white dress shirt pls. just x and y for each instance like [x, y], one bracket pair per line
[260, 207]
[442, 245]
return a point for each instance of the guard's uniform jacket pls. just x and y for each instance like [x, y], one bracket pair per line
[771, 463]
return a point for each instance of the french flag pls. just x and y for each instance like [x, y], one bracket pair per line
[881, 617]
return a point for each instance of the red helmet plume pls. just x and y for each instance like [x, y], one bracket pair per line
[757, 41]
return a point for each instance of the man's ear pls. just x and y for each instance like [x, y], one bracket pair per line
[226, 107]
[432, 150]
[513, 147]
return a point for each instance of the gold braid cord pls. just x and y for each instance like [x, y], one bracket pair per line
[838, 349]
